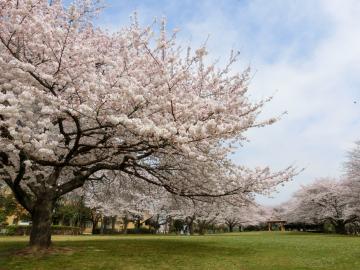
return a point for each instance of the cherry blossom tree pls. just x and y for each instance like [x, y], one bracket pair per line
[120, 196]
[242, 215]
[124, 197]
[352, 165]
[76, 102]
[328, 199]
[196, 213]
[352, 181]
[324, 200]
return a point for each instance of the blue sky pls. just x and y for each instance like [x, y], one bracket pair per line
[306, 53]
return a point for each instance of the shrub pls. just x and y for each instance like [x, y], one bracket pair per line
[65, 230]
[25, 230]
[141, 231]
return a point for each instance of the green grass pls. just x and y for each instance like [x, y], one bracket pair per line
[242, 251]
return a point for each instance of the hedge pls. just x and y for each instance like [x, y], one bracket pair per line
[25, 230]
[140, 230]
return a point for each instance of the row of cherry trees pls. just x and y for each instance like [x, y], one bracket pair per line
[329, 200]
[126, 200]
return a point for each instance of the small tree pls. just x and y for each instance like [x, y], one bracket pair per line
[71, 211]
[248, 213]
[178, 225]
[10, 207]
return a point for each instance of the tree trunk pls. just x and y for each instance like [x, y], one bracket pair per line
[94, 226]
[125, 227]
[230, 227]
[340, 227]
[113, 223]
[190, 224]
[202, 227]
[102, 227]
[190, 227]
[40, 235]
[138, 224]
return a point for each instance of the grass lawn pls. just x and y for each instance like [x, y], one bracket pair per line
[250, 251]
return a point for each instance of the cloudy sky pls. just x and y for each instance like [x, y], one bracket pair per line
[305, 53]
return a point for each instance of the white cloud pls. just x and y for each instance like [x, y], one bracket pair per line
[316, 84]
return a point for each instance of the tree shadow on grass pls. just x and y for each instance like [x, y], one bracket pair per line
[135, 253]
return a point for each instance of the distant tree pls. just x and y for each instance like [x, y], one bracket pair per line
[178, 225]
[95, 217]
[352, 179]
[245, 215]
[10, 207]
[324, 200]
[7, 206]
[71, 211]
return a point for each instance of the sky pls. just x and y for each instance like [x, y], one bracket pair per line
[305, 53]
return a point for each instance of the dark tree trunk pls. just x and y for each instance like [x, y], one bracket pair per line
[340, 227]
[113, 222]
[94, 226]
[190, 224]
[125, 221]
[95, 220]
[231, 227]
[191, 227]
[41, 214]
[202, 227]
[125, 227]
[138, 224]
[102, 227]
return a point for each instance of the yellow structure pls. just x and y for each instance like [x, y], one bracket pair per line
[118, 226]
[10, 220]
[280, 222]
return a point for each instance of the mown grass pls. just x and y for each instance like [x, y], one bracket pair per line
[241, 251]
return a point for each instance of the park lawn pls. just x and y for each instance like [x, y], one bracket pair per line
[241, 251]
